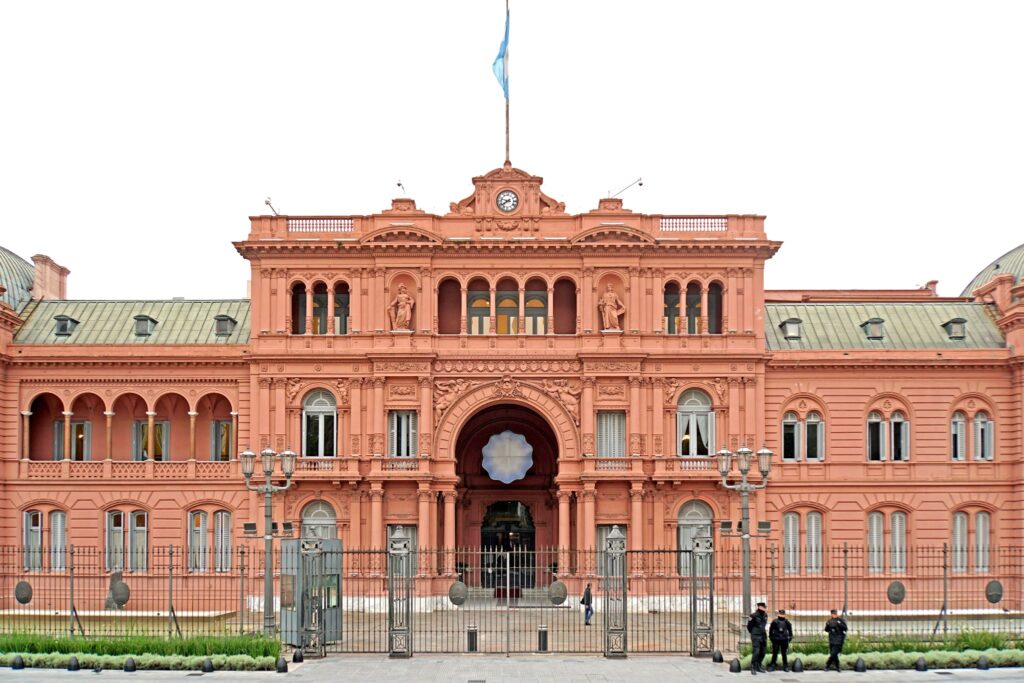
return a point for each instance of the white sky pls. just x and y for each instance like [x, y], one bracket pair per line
[883, 140]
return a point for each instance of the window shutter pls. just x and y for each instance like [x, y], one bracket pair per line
[790, 542]
[959, 541]
[222, 538]
[982, 522]
[136, 451]
[875, 535]
[813, 542]
[58, 440]
[414, 440]
[711, 432]
[898, 542]
[602, 434]
[392, 433]
[58, 539]
[87, 447]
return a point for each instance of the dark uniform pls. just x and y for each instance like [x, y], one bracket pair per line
[780, 633]
[836, 629]
[758, 639]
[588, 605]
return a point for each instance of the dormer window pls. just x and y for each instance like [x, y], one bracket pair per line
[874, 328]
[956, 328]
[791, 328]
[224, 325]
[65, 325]
[144, 325]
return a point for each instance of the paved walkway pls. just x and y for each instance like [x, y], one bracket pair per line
[492, 669]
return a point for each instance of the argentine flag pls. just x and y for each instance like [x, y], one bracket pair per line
[500, 65]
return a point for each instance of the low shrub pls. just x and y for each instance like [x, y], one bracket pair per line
[145, 661]
[935, 659]
[958, 642]
[195, 646]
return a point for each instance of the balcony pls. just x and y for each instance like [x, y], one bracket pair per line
[126, 470]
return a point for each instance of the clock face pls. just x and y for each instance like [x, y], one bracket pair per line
[507, 201]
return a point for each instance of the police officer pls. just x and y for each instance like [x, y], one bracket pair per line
[780, 633]
[836, 629]
[756, 627]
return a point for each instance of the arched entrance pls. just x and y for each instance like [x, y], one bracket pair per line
[508, 528]
[507, 459]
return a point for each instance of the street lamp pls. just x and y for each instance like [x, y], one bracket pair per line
[744, 457]
[268, 460]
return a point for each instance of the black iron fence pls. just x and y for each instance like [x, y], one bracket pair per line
[505, 601]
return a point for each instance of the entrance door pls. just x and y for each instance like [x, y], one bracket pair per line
[508, 528]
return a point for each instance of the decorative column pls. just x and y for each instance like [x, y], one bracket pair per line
[581, 559]
[449, 532]
[309, 309]
[423, 529]
[355, 414]
[425, 305]
[657, 412]
[563, 532]
[380, 300]
[634, 301]
[25, 433]
[150, 435]
[330, 308]
[587, 416]
[462, 316]
[426, 420]
[377, 445]
[587, 303]
[355, 302]
[494, 301]
[703, 308]
[376, 516]
[67, 434]
[355, 517]
[522, 311]
[589, 530]
[233, 453]
[636, 517]
[635, 422]
[192, 434]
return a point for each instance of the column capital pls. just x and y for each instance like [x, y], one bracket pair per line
[450, 495]
[68, 413]
[27, 413]
[151, 413]
[193, 413]
[108, 413]
[564, 495]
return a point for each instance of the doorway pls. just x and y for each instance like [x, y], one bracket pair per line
[508, 529]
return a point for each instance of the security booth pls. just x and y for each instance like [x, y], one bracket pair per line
[311, 594]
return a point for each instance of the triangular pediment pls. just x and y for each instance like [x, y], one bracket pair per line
[612, 234]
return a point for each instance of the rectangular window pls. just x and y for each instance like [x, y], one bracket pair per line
[138, 551]
[478, 312]
[81, 440]
[791, 543]
[161, 440]
[536, 308]
[220, 440]
[790, 440]
[197, 542]
[876, 536]
[33, 540]
[815, 440]
[876, 440]
[982, 523]
[957, 444]
[341, 312]
[813, 543]
[115, 541]
[898, 542]
[611, 434]
[982, 438]
[402, 436]
[900, 440]
[607, 565]
[222, 541]
[959, 542]
[58, 540]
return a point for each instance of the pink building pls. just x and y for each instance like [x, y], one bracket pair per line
[512, 374]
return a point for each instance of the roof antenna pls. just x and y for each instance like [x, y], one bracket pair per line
[404, 191]
[638, 182]
[267, 202]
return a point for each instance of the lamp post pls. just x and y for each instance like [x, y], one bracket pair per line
[268, 460]
[743, 458]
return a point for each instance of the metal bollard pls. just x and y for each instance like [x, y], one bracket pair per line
[471, 638]
[542, 638]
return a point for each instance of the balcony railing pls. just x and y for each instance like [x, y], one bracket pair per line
[694, 224]
[321, 225]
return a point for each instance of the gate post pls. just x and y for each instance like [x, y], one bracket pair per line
[616, 593]
[702, 617]
[399, 604]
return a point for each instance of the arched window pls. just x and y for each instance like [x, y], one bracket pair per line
[959, 546]
[320, 308]
[898, 542]
[478, 307]
[319, 420]
[33, 540]
[900, 433]
[982, 436]
[876, 437]
[813, 543]
[299, 308]
[814, 428]
[197, 541]
[715, 308]
[876, 540]
[319, 520]
[694, 522]
[449, 310]
[342, 309]
[671, 312]
[958, 436]
[790, 436]
[695, 424]
[536, 307]
[693, 321]
[564, 307]
[982, 540]
[791, 543]
[506, 314]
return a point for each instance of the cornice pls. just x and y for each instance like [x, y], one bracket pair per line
[895, 364]
[139, 363]
[510, 247]
[132, 380]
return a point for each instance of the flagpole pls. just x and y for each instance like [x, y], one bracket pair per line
[506, 105]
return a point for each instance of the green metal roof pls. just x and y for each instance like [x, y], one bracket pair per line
[1011, 262]
[113, 322]
[907, 326]
[16, 276]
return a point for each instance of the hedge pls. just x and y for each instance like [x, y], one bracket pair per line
[935, 659]
[55, 660]
[196, 646]
[963, 640]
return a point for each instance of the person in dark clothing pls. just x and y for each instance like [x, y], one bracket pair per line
[756, 627]
[780, 633]
[835, 627]
[588, 605]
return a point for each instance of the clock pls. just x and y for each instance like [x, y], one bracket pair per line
[507, 201]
